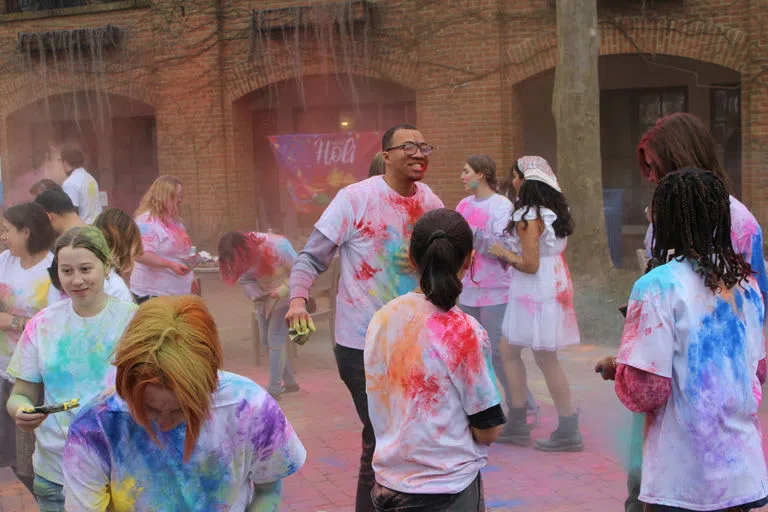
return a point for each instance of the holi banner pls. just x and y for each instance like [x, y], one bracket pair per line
[315, 166]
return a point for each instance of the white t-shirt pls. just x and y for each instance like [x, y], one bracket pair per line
[82, 188]
[114, 285]
[272, 267]
[488, 282]
[426, 372]
[23, 292]
[247, 439]
[702, 449]
[71, 356]
[371, 223]
[169, 241]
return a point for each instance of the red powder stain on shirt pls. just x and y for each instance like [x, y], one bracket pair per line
[463, 353]
[423, 390]
[413, 208]
[632, 326]
[366, 272]
[368, 230]
[267, 261]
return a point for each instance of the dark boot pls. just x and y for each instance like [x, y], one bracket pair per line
[516, 431]
[566, 438]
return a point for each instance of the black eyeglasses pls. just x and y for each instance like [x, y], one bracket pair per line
[410, 148]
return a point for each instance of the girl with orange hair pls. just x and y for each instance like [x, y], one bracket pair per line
[178, 433]
[160, 270]
[261, 263]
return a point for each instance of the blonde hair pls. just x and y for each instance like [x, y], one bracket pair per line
[123, 237]
[171, 342]
[158, 200]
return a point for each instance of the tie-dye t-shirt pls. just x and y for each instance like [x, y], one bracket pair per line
[426, 372]
[273, 267]
[112, 463]
[488, 283]
[169, 241]
[82, 188]
[70, 355]
[702, 449]
[23, 292]
[747, 240]
[371, 223]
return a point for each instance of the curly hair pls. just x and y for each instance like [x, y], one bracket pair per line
[692, 220]
[536, 194]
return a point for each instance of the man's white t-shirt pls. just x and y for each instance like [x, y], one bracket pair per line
[371, 224]
[82, 188]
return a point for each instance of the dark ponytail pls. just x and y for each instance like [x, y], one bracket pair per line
[440, 244]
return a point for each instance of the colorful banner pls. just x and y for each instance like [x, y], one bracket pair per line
[317, 165]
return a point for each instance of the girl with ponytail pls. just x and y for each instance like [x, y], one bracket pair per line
[432, 398]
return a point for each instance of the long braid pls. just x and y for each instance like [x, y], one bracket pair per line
[691, 216]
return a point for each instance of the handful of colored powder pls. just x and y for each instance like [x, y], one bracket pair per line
[300, 330]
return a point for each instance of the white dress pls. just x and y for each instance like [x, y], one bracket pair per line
[540, 311]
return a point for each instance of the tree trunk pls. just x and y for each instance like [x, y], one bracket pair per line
[576, 108]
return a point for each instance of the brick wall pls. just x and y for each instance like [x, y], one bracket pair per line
[463, 59]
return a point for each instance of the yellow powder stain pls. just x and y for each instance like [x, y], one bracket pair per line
[125, 495]
[92, 189]
[40, 296]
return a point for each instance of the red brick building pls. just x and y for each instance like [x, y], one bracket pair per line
[193, 87]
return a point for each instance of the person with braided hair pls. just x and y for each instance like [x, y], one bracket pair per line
[677, 141]
[692, 356]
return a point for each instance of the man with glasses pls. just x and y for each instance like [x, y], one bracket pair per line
[370, 224]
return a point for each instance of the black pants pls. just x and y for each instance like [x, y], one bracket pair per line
[738, 508]
[352, 372]
[468, 500]
[633, 490]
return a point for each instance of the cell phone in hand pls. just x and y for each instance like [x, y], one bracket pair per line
[53, 408]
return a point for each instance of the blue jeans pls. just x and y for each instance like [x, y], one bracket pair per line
[49, 495]
[274, 334]
[491, 318]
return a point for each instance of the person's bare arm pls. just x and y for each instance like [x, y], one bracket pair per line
[25, 394]
[528, 261]
[151, 259]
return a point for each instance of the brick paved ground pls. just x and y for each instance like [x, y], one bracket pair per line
[516, 479]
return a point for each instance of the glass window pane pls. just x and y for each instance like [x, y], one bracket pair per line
[673, 102]
[649, 109]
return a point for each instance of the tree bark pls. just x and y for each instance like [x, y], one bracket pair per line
[576, 108]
